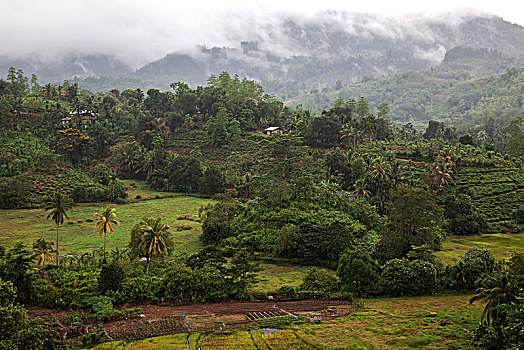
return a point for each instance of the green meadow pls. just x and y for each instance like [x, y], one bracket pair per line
[77, 235]
[501, 244]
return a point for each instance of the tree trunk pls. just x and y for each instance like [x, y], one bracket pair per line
[148, 263]
[57, 227]
[104, 246]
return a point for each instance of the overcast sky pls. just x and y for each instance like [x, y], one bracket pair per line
[145, 29]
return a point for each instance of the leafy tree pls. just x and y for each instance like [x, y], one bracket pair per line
[474, 264]
[18, 270]
[13, 191]
[323, 131]
[212, 182]
[243, 272]
[217, 220]
[216, 127]
[59, 205]
[105, 219]
[463, 219]
[413, 215]
[358, 272]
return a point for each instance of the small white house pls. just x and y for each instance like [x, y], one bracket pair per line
[273, 130]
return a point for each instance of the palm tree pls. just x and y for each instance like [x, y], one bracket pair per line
[105, 219]
[442, 173]
[150, 237]
[360, 189]
[58, 205]
[145, 163]
[494, 290]
[380, 168]
[43, 250]
[397, 172]
[348, 132]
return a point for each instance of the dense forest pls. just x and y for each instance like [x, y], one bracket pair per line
[462, 92]
[367, 201]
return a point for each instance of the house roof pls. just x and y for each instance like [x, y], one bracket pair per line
[272, 128]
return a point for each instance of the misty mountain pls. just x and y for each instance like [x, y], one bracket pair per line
[68, 66]
[339, 46]
[308, 52]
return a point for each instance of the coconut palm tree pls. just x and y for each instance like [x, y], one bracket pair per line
[360, 189]
[347, 133]
[43, 250]
[58, 205]
[379, 172]
[397, 173]
[442, 173]
[494, 290]
[380, 168]
[105, 219]
[150, 237]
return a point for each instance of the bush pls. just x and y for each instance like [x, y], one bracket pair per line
[13, 192]
[474, 264]
[287, 292]
[89, 193]
[101, 174]
[93, 338]
[110, 278]
[102, 307]
[320, 280]
[401, 277]
[45, 295]
[17, 331]
[136, 290]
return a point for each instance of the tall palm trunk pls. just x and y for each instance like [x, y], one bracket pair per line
[57, 227]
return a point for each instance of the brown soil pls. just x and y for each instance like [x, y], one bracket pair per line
[168, 319]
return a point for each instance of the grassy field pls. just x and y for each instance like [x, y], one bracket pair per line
[274, 276]
[430, 322]
[78, 236]
[502, 245]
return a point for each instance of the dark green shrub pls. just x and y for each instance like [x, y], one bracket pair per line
[111, 277]
[320, 280]
[401, 277]
[102, 307]
[287, 292]
[474, 264]
[45, 295]
[93, 338]
[17, 331]
[136, 290]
